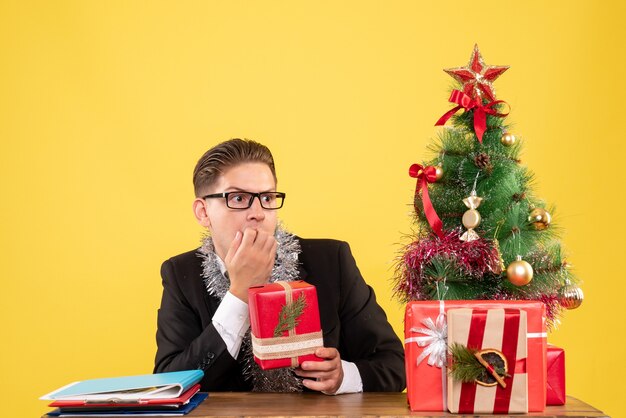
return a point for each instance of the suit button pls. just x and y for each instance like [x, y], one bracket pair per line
[210, 355]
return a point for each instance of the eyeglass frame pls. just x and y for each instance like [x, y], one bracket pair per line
[254, 195]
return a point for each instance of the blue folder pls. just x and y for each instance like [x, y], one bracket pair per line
[128, 412]
[149, 386]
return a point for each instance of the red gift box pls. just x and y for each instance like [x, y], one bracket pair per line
[274, 310]
[503, 330]
[425, 331]
[555, 394]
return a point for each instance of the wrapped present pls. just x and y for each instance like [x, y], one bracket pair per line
[555, 386]
[425, 330]
[284, 323]
[487, 364]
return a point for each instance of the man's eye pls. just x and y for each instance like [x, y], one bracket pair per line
[268, 198]
[237, 198]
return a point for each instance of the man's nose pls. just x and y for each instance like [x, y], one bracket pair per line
[256, 211]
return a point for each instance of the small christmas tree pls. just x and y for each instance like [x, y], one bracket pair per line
[481, 232]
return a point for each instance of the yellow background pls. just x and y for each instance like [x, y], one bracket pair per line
[105, 106]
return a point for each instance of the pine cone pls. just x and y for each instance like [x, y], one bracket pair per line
[518, 197]
[483, 161]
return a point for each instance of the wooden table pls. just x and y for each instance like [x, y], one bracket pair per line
[247, 404]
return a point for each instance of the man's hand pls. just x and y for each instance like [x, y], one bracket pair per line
[249, 261]
[325, 376]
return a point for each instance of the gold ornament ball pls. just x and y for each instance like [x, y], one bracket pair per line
[519, 272]
[471, 219]
[540, 218]
[508, 139]
[571, 296]
[438, 172]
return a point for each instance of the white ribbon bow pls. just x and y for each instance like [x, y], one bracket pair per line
[435, 341]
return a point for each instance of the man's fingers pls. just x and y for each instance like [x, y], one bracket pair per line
[234, 246]
[249, 237]
[316, 374]
[322, 366]
[265, 246]
[329, 384]
[324, 385]
[261, 240]
[328, 353]
[327, 375]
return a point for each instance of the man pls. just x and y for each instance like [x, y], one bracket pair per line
[203, 320]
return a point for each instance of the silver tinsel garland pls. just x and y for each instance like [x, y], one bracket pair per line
[285, 269]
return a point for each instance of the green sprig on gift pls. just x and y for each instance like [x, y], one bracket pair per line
[289, 315]
[465, 365]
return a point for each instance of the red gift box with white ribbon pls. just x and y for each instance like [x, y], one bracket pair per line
[502, 334]
[425, 345]
[284, 323]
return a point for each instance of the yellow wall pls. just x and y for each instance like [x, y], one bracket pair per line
[106, 105]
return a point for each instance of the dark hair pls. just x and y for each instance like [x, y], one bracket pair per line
[227, 154]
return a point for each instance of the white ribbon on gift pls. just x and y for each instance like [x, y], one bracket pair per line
[435, 339]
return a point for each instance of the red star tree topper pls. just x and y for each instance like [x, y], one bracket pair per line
[477, 76]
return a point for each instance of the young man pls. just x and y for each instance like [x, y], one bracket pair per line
[203, 320]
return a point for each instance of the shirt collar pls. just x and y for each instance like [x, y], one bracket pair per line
[221, 265]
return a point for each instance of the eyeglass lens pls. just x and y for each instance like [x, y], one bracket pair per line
[243, 200]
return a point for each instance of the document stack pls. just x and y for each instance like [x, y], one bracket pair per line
[161, 394]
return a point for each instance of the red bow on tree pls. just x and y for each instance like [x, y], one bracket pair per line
[425, 175]
[480, 111]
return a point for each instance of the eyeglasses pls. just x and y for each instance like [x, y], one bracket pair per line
[243, 200]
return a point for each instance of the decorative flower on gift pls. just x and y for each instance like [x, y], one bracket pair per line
[434, 341]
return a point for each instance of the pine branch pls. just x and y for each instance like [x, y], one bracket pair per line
[464, 367]
[289, 316]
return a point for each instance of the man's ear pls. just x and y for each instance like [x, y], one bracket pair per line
[200, 210]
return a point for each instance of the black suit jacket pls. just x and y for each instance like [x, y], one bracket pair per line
[351, 321]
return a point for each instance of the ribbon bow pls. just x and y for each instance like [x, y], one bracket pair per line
[425, 175]
[480, 111]
[436, 334]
